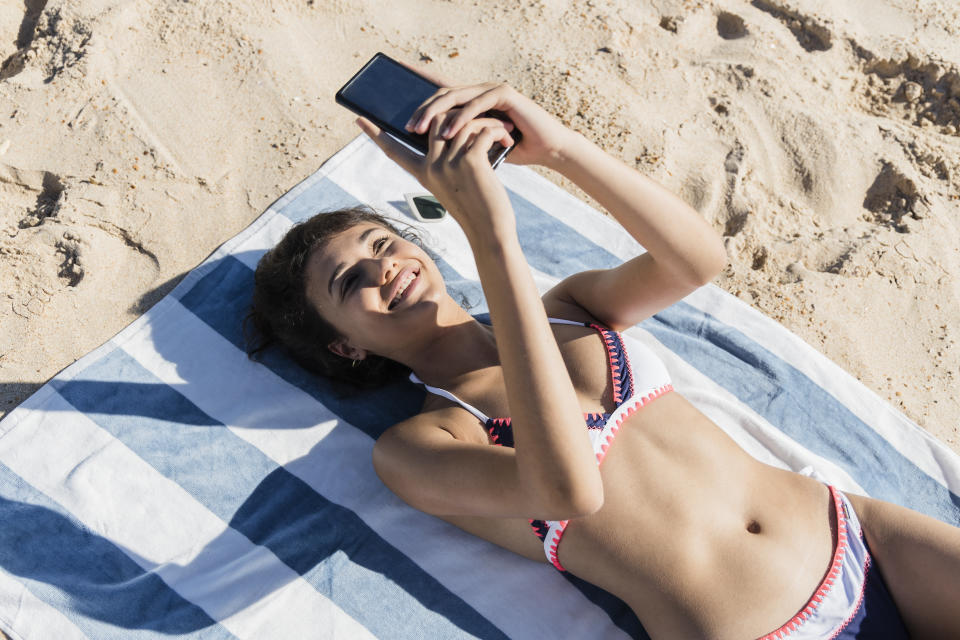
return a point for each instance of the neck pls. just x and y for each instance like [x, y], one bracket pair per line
[457, 346]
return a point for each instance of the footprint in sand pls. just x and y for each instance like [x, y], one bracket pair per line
[893, 196]
[923, 92]
[16, 62]
[810, 34]
[71, 268]
[37, 244]
[670, 23]
[53, 39]
[51, 190]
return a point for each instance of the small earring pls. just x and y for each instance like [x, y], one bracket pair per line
[355, 364]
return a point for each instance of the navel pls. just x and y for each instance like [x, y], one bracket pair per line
[753, 527]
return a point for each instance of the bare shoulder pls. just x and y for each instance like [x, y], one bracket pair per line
[439, 414]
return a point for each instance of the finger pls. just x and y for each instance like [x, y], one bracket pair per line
[503, 128]
[474, 107]
[393, 149]
[419, 122]
[435, 144]
[445, 120]
[461, 142]
[481, 145]
[441, 102]
[469, 134]
[471, 128]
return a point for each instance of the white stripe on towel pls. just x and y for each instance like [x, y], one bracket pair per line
[34, 619]
[164, 529]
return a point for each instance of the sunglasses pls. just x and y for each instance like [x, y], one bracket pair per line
[425, 207]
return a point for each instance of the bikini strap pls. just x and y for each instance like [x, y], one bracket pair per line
[449, 396]
[573, 322]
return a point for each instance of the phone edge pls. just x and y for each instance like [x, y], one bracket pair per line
[395, 133]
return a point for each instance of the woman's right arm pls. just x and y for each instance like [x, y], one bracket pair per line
[433, 463]
[551, 471]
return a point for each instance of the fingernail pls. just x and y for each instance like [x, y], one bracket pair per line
[445, 133]
[409, 124]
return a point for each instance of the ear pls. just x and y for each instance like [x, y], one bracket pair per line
[344, 349]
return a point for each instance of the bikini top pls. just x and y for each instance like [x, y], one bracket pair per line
[632, 389]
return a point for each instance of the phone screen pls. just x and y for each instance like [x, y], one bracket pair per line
[389, 93]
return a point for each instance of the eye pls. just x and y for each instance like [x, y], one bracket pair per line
[348, 281]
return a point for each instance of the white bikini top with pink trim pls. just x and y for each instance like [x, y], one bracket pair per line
[633, 387]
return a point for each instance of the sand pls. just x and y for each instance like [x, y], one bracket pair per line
[819, 138]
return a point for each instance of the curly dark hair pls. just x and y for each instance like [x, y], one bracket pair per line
[280, 313]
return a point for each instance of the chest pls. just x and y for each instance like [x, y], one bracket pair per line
[587, 358]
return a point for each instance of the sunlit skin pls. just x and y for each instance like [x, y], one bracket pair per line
[441, 342]
[696, 536]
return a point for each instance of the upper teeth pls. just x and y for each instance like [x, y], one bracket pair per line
[403, 286]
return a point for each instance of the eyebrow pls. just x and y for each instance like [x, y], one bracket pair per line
[340, 267]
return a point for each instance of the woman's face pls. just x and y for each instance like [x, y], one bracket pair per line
[377, 289]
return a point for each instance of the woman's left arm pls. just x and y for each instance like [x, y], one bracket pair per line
[683, 251]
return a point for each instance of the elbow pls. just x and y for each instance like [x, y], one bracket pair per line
[721, 259]
[587, 504]
[713, 261]
[580, 501]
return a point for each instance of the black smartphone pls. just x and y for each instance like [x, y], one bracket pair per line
[387, 93]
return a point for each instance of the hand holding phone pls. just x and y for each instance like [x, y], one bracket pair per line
[544, 140]
[388, 93]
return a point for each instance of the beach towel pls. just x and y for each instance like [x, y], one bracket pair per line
[165, 485]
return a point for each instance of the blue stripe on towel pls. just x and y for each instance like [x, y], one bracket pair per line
[468, 293]
[329, 545]
[554, 248]
[97, 586]
[621, 614]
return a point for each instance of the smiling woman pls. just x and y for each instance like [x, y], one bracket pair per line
[550, 421]
[281, 314]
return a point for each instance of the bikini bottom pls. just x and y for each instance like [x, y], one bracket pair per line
[852, 601]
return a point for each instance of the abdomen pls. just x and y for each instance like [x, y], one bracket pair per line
[694, 531]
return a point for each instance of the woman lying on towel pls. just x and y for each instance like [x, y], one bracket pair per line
[551, 420]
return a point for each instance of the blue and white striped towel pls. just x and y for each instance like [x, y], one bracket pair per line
[164, 485]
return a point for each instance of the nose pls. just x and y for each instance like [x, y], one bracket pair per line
[384, 269]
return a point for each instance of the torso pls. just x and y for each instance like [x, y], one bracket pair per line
[674, 537]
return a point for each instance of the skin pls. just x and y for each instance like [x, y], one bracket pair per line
[698, 538]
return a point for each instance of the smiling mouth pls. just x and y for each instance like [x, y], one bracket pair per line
[403, 288]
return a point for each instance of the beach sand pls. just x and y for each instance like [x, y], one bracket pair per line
[819, 138]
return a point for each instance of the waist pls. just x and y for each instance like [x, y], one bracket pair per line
[690, 519]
